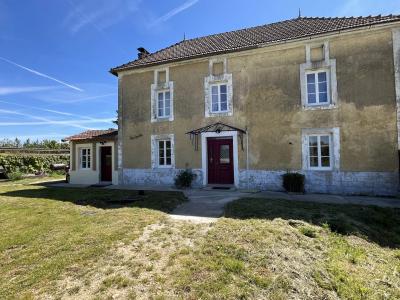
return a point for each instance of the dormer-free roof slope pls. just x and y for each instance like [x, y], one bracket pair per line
[253, 37]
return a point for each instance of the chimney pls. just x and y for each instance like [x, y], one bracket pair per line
[142, 52]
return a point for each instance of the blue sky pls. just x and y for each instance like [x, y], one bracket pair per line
[55, 54]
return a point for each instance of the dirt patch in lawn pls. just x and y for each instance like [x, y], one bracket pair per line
[142, 269]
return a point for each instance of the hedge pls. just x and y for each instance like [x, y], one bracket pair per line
[31, 163]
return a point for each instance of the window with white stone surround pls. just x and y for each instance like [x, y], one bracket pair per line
[321, 149]
[162, 151]
[218, 89]
[162, 95]
[318, 78]
[84, 158]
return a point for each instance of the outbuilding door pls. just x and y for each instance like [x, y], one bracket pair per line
[220, 160]
[106, 163]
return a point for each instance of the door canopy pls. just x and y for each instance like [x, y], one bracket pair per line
[216, 127]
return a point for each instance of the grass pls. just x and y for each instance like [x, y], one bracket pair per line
[47, 232]
[75, 243]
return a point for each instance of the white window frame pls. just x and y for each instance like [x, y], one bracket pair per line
[211, 80]
[319, 156]
[157, 87]
[218, 85]
[328, 89]
[155, 139]
[88, 165]
[164, 116]
[327, 64]
[165, 165]
[334, 148]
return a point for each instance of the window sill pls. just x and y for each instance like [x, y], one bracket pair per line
[319, 107]
[165, 119]
[219, 114]
[320, 169]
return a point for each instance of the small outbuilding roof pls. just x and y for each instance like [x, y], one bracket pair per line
[93, 135]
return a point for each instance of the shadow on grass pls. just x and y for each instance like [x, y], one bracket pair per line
[377, 224]
[104, 198]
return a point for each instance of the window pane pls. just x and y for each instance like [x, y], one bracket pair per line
[325, 161]
[161, 161]
[167, 95]
[313, 151]
[214, 90]
[160, 96]
[167, 112]
[223, 89]
[312, 98]
[313, 141]
[322, 77]
[310, 78]
[83, 151]
[214, 99]
[223, 98]
[323, 97]
[224, 154]
[324, 140]
[224, 106]
[215, 107]
[168, 153]
[311, 88]
[168, 163]
[313, 161]
[325, 151]
[168, 144]
[322, 86]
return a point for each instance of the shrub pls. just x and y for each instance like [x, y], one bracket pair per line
[14, 176]
[293, 182]
[308, 231]
[184, 179]
[31, 163]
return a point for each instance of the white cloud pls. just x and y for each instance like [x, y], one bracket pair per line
[99, 14]
[78, 123]
[41, 74]
[9, 90]
[173, 12]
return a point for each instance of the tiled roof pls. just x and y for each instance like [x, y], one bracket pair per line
[93, 134]
[253, 37]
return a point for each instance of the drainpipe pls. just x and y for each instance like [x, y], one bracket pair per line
[247, 157]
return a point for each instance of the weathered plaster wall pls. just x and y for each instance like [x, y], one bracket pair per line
[267, 100]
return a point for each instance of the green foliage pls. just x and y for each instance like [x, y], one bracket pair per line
[14, 176]
[31, 163]
[184, 179]
[293, 182]
[308, 231]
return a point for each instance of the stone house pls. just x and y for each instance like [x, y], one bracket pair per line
[314, 95]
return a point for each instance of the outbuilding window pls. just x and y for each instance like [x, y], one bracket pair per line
[85, 158]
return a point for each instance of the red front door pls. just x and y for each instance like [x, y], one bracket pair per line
[106, 163]
[220, 161]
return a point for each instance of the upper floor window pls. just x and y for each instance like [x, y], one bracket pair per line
[164, 104]
[318, 78]
[218, 89]
[317, 88]
[162, 95]
[85, 158]
[219, 98]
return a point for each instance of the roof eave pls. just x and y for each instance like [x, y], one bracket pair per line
[116, 70]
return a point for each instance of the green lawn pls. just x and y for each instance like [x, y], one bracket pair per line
[89, 244]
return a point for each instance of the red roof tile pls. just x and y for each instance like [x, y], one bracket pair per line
[253, 37]
[93, 134]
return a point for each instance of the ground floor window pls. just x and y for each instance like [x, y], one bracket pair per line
[85, 158]
[162, 148]
[164, 153]
[319, 151]
[321, 148]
